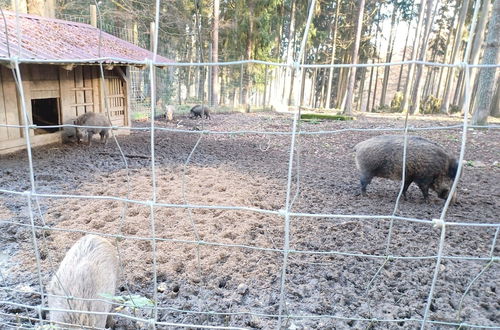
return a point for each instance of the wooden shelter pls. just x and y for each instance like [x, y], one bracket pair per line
[62, 78]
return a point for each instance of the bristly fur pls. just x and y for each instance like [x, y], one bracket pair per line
[199, 111]
[92, 119]
[89, 269]
[427, 164]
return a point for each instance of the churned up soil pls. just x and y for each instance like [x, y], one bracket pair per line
[224, 257]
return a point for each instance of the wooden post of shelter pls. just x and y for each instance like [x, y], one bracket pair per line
[152, 36]
[93, 15]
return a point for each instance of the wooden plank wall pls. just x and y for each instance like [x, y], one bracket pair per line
[26, 78]
[68, 97]
[79, 91]
[9, 107]
[44, 81]
[4, 134]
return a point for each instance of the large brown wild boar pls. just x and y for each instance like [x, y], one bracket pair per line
[427, 163]
[89, 269]
[92, 119]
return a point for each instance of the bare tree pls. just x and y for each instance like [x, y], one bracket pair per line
[407, 96]
[388, 56]
[476, 47]
[214, 85]
[352, 77]
[487, 75]
[454, 54]
[289, 54]
[417, 88]
[404, 56]
[334, 49]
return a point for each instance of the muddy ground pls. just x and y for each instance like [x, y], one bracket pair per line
[236, 269]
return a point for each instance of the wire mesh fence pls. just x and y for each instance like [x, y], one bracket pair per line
[157, 227]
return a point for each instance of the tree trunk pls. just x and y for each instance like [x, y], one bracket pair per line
[266, 72]
[342, 90]
[201, 70]
[378, 58]
[361, 89]
[223, 83]
[451, 74]
[476, 47]
[387, 69]
[495, 104]
[249, 48]
[313, 84]
[45, 8]
[409, 82]
[487, 75]
[404, 56]
[242, 73]
[369, 106]
[289, 54]
[214, 85]
[444, 70]
[417, 88]
[375, 88]
[352, 78]
[334, 49]
[301, 101]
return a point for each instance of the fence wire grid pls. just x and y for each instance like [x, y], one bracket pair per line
[283, 319]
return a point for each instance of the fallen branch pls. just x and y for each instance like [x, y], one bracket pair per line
[126, 155]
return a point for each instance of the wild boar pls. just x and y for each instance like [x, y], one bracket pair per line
[89, 269]
[68, 132]
[92, 119]
[428, 164]
[198, 111]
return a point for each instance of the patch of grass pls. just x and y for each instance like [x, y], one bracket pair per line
[140, 116]
[312, 121]
[324, 116]
[133, 301]
[452, 138]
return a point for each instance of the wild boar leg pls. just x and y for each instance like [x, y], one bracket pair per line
[408, 182]
[365, 181]
[424, 187]
[89, 137]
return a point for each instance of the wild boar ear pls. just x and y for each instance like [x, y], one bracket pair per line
[453, 168]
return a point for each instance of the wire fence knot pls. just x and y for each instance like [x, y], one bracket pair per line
[462, 65]
[295, 65]
[148, 62]
[438, 223]
[14, 60]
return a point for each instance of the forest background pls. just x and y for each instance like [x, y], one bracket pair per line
[342, 32]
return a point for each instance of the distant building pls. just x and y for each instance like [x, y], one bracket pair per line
[56, 88]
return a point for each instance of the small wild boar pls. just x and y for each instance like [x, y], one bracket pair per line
[198, 111]
[68, 132]
[92, 119]
[90, 268]
[427, 163]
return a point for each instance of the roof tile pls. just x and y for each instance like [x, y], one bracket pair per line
[47, 39]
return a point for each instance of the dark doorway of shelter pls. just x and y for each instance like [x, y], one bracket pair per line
[45, 113]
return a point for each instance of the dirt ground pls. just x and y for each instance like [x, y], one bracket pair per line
[228, 261]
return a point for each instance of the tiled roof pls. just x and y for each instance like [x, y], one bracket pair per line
[56, 40]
